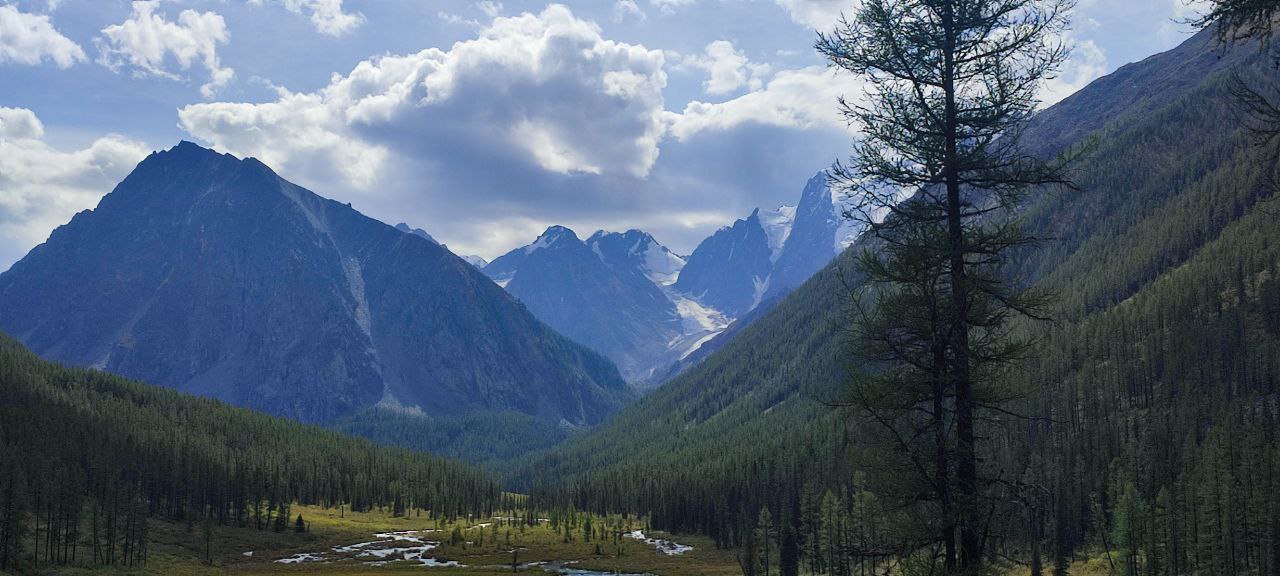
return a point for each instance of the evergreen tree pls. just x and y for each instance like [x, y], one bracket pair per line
[952, 84]
[764, 537]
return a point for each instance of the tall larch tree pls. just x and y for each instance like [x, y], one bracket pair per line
[936, 174]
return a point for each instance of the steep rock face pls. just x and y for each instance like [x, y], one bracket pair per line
[814, 239]
[613, 309]
[213, 275]
[728, 270]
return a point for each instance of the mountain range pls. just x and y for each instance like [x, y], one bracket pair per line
[213, 275]
[648, 309]
[1164, 259]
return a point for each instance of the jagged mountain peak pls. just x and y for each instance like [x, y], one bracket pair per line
[215, 276]
[638, 251]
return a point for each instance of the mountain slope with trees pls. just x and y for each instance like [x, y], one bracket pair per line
[1164, 260]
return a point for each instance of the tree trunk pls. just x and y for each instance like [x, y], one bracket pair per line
[966, 459]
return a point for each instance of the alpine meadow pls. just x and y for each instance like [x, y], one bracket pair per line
[640, 287]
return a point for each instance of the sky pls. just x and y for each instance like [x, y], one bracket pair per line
[482, 122]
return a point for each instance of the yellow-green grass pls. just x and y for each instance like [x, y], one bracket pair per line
[1094, 564]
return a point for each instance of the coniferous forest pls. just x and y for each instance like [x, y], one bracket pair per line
[88, 457]
[1053, 348]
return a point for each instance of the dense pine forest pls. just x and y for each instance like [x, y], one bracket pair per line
[86, 458]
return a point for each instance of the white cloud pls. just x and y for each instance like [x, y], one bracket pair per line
[41, 187]
[451, 18]
[1088, 62]
[728, 68]
[669, 6]
[30, 39]
[820, 15]
[804, 98]
[147, 41]
[623, 9]
[326, 15]
[490, 8]
[522, 91]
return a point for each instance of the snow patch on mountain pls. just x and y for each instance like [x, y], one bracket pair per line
[700, 323]
[777, 225]
[848, 227]
[661, 265]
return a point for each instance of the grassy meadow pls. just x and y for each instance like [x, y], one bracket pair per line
[344, 542]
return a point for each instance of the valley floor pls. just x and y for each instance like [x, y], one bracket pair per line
[375, 543]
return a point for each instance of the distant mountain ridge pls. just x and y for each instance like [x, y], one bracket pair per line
[600, 294]
[649, 309]
[476, 261]
[213, 275]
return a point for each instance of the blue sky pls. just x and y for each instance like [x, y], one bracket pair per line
[481, 121]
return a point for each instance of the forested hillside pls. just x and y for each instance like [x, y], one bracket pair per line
[87, 457]
[1147, 415]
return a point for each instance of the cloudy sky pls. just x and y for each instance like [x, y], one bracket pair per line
[480, 121]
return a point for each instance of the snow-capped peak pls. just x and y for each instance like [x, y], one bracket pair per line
[640, 249]
[550, 237]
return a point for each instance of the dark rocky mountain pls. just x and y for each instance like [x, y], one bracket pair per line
[729, 270]
[609, 304]
[213, 275]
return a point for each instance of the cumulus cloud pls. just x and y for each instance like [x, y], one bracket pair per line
[42, 187]
[31, 39]
[538, 119]
[147, 41]
[817, 14]
[327, 16]
[804, 98]
[521, 92]
[728, 69]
